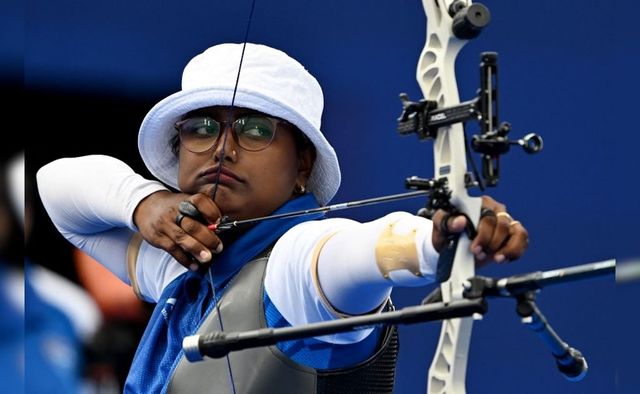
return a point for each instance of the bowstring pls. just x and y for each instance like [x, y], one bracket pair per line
[217, 179]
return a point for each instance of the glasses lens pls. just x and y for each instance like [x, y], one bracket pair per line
[255, 132]
[198, 134]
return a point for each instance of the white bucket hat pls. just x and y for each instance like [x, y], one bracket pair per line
[270, 82]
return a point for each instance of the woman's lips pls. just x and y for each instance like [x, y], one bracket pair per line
[225, 176]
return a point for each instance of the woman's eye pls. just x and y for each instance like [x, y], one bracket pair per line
[258, 132]
[202, 130]
[203, 127]
[257, 128]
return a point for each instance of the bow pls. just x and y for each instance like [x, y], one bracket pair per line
[440, 116]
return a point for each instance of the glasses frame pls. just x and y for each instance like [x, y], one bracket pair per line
[227, 124]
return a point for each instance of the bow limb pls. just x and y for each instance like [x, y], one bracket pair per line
[436, 77]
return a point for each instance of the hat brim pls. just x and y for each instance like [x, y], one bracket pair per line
[157, 130]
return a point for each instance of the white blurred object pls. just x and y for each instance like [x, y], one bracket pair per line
[628, 271]
[70, 298]
[15, 178]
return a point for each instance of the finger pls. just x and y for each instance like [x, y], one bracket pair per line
[200, 233]
[176, 252]
[486, 226]
[192, 245]
[447, 223]
[490, 203]
[517, 244]
[438, 237]
[500, 234]
[207, 207]
[444, 225]
[187, 208]
[456, 224]
[178, 219]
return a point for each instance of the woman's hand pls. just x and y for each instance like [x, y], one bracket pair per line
[500, 238]
[184, 239]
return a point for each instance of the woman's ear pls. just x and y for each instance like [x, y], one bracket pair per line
[306, 158]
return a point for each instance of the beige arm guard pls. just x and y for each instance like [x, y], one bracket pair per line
[358, 266]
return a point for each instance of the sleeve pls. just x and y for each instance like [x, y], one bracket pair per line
[91, 200]
[155, 269]
[328, 269]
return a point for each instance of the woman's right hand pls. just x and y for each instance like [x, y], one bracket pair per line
[155, 217]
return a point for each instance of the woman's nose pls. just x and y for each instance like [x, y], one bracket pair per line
[226, 148]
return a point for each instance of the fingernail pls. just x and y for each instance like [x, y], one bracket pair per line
[499, 258]
[477, 249]
[193, 267]
[219, 248]
[205, 256]
[481, 256]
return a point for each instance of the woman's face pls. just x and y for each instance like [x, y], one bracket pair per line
[251, 183]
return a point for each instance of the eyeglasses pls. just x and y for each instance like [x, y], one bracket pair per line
[251, 132]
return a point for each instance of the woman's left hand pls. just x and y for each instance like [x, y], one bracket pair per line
[499, 238]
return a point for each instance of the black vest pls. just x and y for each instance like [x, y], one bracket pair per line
[266, 369]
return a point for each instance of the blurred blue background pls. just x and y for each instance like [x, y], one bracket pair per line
[567, 70]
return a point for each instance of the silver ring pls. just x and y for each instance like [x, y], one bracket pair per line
[485, 212]
[179, 218]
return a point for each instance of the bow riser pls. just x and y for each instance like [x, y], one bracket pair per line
[436, 77]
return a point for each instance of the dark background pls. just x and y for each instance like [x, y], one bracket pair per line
[92, 69]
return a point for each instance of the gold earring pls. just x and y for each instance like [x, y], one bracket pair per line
[299, 189]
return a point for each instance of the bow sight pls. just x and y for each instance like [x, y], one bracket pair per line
[424, 118]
